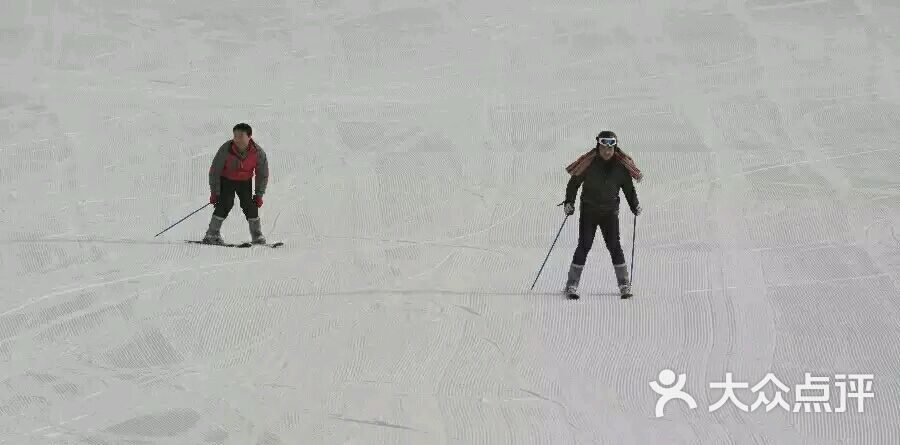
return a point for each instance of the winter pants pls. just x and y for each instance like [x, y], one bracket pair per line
[244, 191]
[608, 223]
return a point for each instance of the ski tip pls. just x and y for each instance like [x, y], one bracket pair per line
[272, 245]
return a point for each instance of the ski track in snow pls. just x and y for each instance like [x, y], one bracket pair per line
[417, 153]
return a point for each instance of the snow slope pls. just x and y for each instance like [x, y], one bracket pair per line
[417, 151]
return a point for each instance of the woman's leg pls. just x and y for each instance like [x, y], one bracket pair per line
[587, 229]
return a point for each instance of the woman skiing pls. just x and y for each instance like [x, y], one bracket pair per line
[603, 171]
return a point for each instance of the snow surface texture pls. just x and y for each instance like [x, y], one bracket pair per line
[417, 153]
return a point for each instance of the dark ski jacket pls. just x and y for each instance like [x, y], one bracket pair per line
[602, 181]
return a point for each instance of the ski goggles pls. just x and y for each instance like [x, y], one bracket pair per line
[609, 142]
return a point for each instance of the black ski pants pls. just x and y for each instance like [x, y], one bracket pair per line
[244, 191]
[608, 223]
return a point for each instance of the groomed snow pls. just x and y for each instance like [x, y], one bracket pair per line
[417, 152]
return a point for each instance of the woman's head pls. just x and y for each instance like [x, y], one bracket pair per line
[607, 143]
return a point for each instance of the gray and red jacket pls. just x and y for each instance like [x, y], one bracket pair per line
[233, 164]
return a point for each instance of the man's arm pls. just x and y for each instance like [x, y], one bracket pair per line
[262, 172]
[215, 170]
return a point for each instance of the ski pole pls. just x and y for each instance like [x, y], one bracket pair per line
[633, 232]
[548, 252]
[182, 219]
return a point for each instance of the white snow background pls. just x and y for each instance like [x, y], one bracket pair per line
[417, 151]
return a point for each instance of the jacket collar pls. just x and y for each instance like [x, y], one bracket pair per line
[251, 147]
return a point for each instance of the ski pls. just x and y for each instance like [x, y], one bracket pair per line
[577, 296]
[238, 245]
[241, 245]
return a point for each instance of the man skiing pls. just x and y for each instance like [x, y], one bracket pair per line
[603, 171]
[233, 168]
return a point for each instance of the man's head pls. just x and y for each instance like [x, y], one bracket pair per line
[242, 134]
[606, 144]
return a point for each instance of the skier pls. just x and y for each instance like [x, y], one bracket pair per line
[232, 170]
[604, 170]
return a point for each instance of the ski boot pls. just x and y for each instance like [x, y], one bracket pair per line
[256, 231]
[212, 233]
[622, 280]
[571, 289]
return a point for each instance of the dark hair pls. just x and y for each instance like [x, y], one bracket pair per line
[244, 128]
[606, 134]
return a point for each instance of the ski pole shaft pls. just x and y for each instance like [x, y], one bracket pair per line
[182, 219]
[633, 233]
[548, 252]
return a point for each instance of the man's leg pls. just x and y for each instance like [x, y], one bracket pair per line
[223, 207]
[587, 229]
[251, 211]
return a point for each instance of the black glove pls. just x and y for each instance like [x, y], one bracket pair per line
[568, 207]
